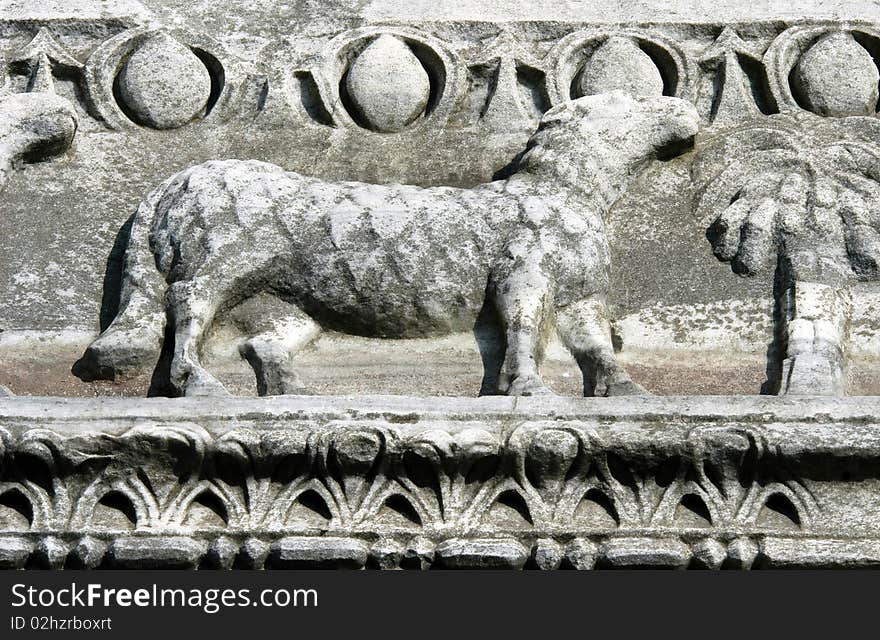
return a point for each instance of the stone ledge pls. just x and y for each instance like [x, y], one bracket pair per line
[801, 410]
[22, 551]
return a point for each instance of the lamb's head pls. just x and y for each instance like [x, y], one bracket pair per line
[608, 137]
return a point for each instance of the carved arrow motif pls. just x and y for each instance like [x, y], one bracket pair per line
[41, 56]
[733, 100]
[505, 52]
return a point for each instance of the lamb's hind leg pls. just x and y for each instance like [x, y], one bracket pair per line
[281, 331]
[133, 340]
[586, 331]
[192, 305]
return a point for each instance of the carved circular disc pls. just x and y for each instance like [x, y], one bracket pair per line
[620, 64]
[837, 77]
[388, 85]
[163, 84]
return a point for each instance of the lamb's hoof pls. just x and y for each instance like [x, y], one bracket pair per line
[528, 386]
[625, 388]
[272, 367]
[287, 385]
[202, 384]
[115, 356]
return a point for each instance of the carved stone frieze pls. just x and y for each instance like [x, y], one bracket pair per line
[332, 202]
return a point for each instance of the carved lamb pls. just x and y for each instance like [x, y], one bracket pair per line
[392, 260]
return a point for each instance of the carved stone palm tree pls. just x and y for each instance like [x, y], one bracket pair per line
[798, 192]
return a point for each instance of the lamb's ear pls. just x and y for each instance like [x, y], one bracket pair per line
[598, 106]
[560, 114]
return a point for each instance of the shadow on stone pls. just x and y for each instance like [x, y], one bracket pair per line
[491, 344]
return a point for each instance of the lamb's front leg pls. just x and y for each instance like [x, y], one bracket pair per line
[270, 351]
[523, 299]
[586, 331]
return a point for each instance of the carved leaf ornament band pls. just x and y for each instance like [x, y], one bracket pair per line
[408, 491]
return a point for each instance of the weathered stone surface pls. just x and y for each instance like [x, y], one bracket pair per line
[581, 555]
[318, 553]
[387, 553]
[222, 553]
[795, 553]
[88, 553]
[156, 552]
[741, 553]
[33, 126]
[77, 12]
[481, 554]
[50, 553]
[420, 554]
[14, 552]
[709, 554]
[276, 75]
[253, 553]
[547, 554]
[726, 79]
[795, 200]
[41, 57]
[332, 248]
[645, 553]
[575, 259]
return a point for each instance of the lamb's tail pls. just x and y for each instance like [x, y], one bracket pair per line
[133, 341]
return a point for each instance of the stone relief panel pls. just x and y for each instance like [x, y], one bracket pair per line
[385, 102]
[791, 193]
